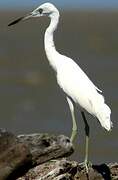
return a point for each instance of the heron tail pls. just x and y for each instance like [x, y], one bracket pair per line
[104, 117]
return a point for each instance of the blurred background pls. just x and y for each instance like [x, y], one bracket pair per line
[30, 99]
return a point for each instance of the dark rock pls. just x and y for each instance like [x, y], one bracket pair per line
[13, 155]
[44, 147]
[19, 154]
[28, 157]
[7, 139]
[70, 170]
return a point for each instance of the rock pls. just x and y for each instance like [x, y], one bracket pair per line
[70, 170]
[53, 170]
[19, 154]
[13, 155]
[44, 147]
[28, 157]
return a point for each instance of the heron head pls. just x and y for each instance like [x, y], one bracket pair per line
[46, 9]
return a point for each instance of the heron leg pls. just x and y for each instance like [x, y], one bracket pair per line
[74, 124]
[87, 131]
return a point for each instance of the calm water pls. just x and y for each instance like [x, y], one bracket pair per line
[30, 99]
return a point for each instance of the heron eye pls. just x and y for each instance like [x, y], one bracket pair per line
[40, 11]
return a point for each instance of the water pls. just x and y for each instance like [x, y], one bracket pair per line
[30, 99]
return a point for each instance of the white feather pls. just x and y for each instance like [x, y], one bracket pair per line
[70, 77]
[74, 82]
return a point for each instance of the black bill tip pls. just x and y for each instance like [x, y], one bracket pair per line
[16, 21]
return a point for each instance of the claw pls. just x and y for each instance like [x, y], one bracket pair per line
[86, 165]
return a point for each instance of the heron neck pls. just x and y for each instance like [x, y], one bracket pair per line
[49, 42]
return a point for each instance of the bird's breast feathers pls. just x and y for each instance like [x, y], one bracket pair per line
[77, 85]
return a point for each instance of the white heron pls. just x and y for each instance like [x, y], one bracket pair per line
[71, 78]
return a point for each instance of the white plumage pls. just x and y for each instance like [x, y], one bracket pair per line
[80, 88]
[71, 78]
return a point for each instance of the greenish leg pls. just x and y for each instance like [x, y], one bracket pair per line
[87, 131]
[74, 127]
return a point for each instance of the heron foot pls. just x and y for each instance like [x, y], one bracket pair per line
[86, 165]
